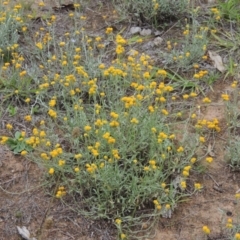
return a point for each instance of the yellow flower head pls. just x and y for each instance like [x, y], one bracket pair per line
[206, 230]
[51, 171]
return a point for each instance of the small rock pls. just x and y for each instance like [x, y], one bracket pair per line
[135, 30]
[157, 33]
[157, 41]
[146, 32]
[148, 45]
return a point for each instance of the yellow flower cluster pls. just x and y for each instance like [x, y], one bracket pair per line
[61, 192]
[115, 154]
[94, 150]
[129, 101]
[52, 113]
[186, 170]
[214, 124]
[229, 223]
[4, 140]
[157, 204]
[198, 186]
[200, 74]
[56, 152]
[91, 168]
[120, 41]
[109, 138]
[113, 71]
[216, 12]
[225, 97]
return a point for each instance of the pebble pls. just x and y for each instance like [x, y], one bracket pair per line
[146, 32]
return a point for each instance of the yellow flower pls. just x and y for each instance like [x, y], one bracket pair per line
[44, 156]
[39, 45]
[237, 236]
[204, 57]
[237, 195]
[146, 75]
[186, 32]
[134, 121]
[4, 140]
[9, 126]
[162, 72]
[114, 123]
[52, 113]
[183, 184]
[234, 84]
[27, 100]
[101, 66]
[118, 221]
[193, 160]
[202, 139]
[225, 97]
[159, 207]
[151, 109]
[87, 128]
[163, 185]
[42, 134]
[76, 169]
[197, 186]
[180, 149]
[154, 130]
[114, 115]
[24, 152]
[51, 171]
[193, 94]
[206, 230]
[120, 49]
[78, 156]
[61, 163]
[185, 173]
[206, 100]
[111, 140]
[120, 40]
[146, 169]
[23, 73]
[23, 134]
[164, 112]
[193, 116]
[209, 159]
[61, 44]
[52, 103]
[229, 223]
[41, 4]
[109, 30]
[28, 118]
[167, 206]
[123, 236]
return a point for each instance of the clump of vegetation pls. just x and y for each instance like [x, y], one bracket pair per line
[11, 22]
[113, 136]
[154, 11]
